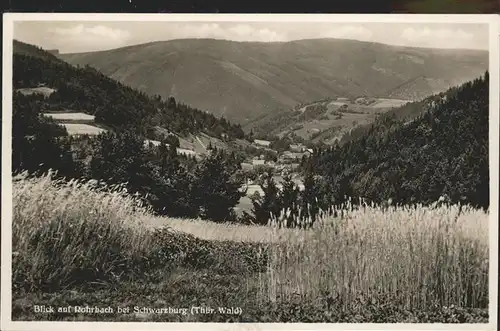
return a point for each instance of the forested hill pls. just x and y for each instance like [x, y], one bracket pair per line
[114, 105]
[21, 48]
[444, 151]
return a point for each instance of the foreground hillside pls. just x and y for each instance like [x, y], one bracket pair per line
[74, 245]
[243, 80]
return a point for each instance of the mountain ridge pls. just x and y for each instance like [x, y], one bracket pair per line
[277, 42]
[243, 80]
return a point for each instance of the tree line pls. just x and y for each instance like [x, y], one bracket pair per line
[288, 205]
[172, 184]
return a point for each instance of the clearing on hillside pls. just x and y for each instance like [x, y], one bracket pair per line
[80, 129]
[70, 116]
[325, 121]
[46, 91]
[389, 103]
[183, 151]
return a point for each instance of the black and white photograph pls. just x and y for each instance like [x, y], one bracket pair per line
[176, 169]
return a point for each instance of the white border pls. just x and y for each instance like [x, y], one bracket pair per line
[6, 242]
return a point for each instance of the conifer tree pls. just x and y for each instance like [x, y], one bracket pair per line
[289, 199]
[268, 206]
[216, 189]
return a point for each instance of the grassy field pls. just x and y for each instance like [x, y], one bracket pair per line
[74, 128]
[389, 103]
[76, 245]
[179, 150]
[70, 116]
[45, 91]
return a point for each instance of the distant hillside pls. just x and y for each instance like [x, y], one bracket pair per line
[404, 114]
[244, 80]
[323, 121]
[340, 121]
[441, 151]
[114, 105]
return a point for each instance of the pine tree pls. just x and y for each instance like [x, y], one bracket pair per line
[171, 103]
[309, 201]
[216, 188]
[38, 143]
[120, 158]
[289, 199]
[268, 206]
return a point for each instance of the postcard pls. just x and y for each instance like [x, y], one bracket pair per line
[250, 172]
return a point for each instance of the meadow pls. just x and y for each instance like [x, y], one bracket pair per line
[60, 116]
[389, 103]
[77, 128]
[45, 91]
[78, 244]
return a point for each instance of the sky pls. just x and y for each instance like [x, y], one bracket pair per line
[74, 36]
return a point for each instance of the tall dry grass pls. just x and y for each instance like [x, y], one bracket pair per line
[64, 233]
[219, 231]
[415, 256]
[73, 233]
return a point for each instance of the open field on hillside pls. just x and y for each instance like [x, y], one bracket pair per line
[70, 116]
[388, 103]
[75, 128]
[46, 91]
[75, 245]
[198, 143]
[379, 103]
[179, 150]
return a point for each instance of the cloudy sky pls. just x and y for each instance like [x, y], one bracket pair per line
[76, 36]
